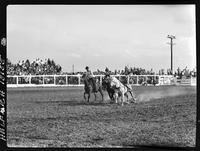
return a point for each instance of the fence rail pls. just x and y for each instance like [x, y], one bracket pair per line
[76, 80]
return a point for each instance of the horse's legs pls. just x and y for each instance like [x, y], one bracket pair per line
[126, 94]
[95, 96]
[110, 96]
[134, 99]
[122, 99]
[88, 96]
[101, 92]
[115, 97]
[84, 96]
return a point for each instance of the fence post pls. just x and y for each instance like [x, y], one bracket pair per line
[175, 80]
[159, 80]
[146, 77]
[17, 80]
[29, 79]
[66, 80]
[43, 79]
[128, 80]
[54, 79]
[100, 79]
[79, 79]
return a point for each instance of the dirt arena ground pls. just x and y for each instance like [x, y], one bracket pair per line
[59, 117]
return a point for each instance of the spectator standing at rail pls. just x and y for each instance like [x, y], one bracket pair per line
[178, 71]
[183, 72]
[90, 75]
[194, 72]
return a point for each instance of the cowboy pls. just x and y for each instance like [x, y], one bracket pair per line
[107, 72]
[89, 75]
[107, 75]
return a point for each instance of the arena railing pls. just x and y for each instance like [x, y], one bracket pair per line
[76, 80]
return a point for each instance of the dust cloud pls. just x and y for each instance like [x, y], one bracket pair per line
[149, 95]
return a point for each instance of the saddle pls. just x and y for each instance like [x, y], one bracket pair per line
[92, 81]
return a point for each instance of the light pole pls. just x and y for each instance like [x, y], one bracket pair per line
[171, 44]
[73, 68]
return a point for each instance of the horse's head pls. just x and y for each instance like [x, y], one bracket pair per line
[83, 76]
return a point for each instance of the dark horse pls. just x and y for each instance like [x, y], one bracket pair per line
[89, 88]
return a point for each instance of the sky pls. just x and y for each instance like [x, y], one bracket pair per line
[101, 36]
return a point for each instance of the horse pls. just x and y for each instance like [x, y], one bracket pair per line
[118, 89]
[89, 88]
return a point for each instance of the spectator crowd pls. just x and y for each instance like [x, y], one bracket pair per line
[37, 67]
[49, 67]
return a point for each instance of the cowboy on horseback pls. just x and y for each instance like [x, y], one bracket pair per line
[90, 76]
[106, 84]
[107, 72]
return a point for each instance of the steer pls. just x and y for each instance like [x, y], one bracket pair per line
[120, 90]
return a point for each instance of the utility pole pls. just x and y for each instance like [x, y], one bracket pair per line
[171, 44]
[73, 68]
